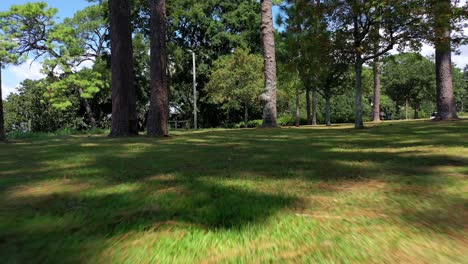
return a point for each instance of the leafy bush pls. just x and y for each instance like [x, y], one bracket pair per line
[249, 124]
[255, 123]
[288, 120]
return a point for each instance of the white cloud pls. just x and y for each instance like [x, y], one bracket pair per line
[461, 59]
[28, 70]
[13, 75]
[85, 65]
[7, 90]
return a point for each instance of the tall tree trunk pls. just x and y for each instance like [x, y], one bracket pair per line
[314, 106]
[132, 107]
[377, 71]
[159, 101]
[328, 110]
[88, 109]
[298, 108]
[358, 123]
[246, 114]
[2, 121]
[446, 107]
[308, 105]
[269, 95]
[123, 84]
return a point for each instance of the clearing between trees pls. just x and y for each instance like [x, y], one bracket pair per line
[395, 192]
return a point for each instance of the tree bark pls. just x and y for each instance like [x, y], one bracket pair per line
[358, 123]
[328, 110]
[377, 87]
[2, 120]
[159, 99]
[132, 106]
[446, 107]
[269, 95]
[246, 114]
[298, 108]
[308, 105]
[89, 110]
[123, 84]
[314, 106]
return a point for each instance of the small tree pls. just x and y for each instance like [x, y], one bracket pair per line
[367, 23]
[409, 78]
[236, 81]
[305, 40]
[64, 46]
[6, 57]
[25, 30]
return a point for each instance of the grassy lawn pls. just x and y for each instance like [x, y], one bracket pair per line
[392, 193]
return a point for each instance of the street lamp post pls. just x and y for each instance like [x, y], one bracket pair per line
[195, 125]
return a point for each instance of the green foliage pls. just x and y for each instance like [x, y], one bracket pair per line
[460, 87]
[236, 82]
[314, 50]
[87, 83]
[250, 124]
[6, 54]
[289, 120]
[212, 29]
[30, 25]
[29, 111]
[17, 134]
[409, 77]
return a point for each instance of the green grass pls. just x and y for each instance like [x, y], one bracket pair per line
[392, 193]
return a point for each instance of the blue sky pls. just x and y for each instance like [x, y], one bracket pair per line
[13, 75]
[66, 7]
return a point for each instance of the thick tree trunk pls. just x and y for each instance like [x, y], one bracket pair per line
[446, 107]
[122, 67]
[132, 108]
[2, 121]
[376, 109]
[89, 110]
[314, 106]
[298, 108]
[328, 110]
[308, 106]
[159, 100]
[358, 123]
[269, 95]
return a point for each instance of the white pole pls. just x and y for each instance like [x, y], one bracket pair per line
[195, 121]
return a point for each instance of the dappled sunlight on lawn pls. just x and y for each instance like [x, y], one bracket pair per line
[297, 195]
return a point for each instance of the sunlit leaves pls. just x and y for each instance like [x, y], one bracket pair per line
[236, 81]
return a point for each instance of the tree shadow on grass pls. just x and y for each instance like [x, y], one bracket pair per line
[87, 218]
